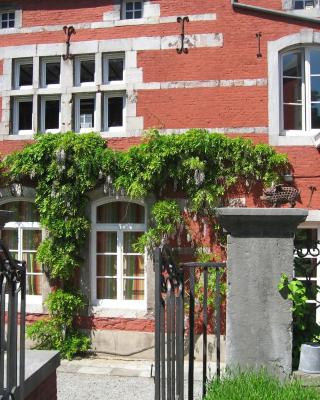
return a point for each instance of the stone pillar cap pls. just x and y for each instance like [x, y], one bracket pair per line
[261, 222]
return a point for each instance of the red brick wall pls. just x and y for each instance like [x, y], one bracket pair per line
[47, 390]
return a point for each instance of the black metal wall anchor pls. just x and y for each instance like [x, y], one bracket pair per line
[258, 36]
[182, 21]
[69, 31]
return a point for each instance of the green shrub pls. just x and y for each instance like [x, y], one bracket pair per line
[57, 332]
[250, 385]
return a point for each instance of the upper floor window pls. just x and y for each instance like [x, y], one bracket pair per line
[50, 72]
[23, 74]
[132, 9]
[119, 271]
[301, 90]
[7, 19]
[84, 70]
[305, 4]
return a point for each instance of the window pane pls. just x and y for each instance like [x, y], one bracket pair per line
[314, 61]
[31, 239]
[106, 242]
[120, 212]
[115, 110]
[129, 238]
[115, 69]
[298, 5]
[292, 64]
[305, 267]
[26, 75]
[87, 71]
[86, 113]
[138, 14]
[23, 211]
[52, 73]
[11, 15]
[106, 288]
[11, 24]
[34, 284]
[315, 116]
[52, 110]
[32, 265]
[106, 265]
[10, 238]
[129, 15]
[304, 237]
[315, 88]
[130, 5]
[292, 116]
[133, 266]
[133, 289]
[25, 116]
[291, 90]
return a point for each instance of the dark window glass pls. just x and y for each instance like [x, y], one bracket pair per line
[25, 115]
[52, 114]
[292, 116]
[26, 75]
[86, 113]
[314, 61]
[133, 9]
[291, 90]
[11, 24]
[292, 64]
[115, 106]
[87, 69]
[120, 212]
[52, 73]
[7, 20]
[298, 5]
[115, 69]
[23, 211]
[315, 116]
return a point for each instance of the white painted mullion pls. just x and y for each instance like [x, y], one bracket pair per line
[306, 92]
[119, 265]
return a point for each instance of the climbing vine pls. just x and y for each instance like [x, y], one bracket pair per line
[198, 166]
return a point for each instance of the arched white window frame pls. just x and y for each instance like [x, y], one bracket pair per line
[277, 137]
[20, 226]
[119, 303]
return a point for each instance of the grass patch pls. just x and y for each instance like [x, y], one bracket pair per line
[250, 385]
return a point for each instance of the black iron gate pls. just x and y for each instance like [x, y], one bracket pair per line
[12, 306]
[171, 334]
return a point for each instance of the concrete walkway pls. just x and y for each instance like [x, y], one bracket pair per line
[106, 379]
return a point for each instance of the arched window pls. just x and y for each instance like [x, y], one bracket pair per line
[22, 235]
[119, 271]
[301, 90]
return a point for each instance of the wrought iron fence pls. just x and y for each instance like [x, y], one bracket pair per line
[170, 334]
[12, 316]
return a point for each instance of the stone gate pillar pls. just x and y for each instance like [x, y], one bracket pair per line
[259, 320]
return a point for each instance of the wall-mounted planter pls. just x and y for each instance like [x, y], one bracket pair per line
[310, 358]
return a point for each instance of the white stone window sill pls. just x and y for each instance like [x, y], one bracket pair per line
[305, 140]
[118, 311]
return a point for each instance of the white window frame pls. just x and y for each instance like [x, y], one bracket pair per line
[77, 99]
[105, 59]
[20, 226]
[113, 129]
[16, 102]
[17, 64]
[305, 93]
[77, 69]
[8, 12]
[43, 101]
[119, 229]
[124, 9]
[43, 71]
